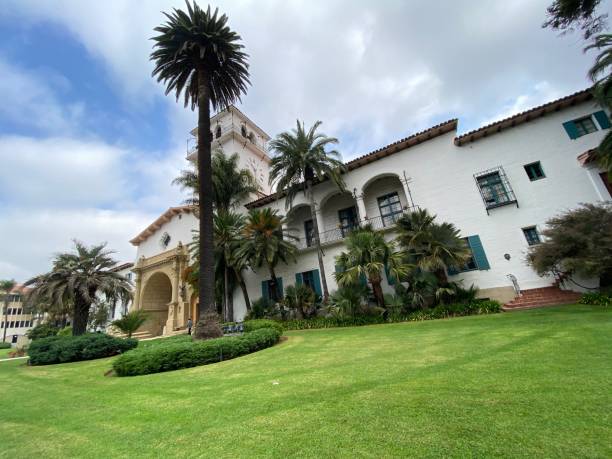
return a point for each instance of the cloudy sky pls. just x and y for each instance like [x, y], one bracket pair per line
[89, 143]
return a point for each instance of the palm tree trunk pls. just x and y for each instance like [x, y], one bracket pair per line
[315, 227]
[277, 294]
[80, 315]
[206, 282]
[378, 293]
[226, 296]
[243, 287]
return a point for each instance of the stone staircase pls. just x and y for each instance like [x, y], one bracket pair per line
[539, 297]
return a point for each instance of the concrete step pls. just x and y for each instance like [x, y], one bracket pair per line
[539, 297]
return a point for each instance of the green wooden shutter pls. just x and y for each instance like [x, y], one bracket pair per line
[451, 271]
[298, 279]
[571, 130]
[317, 282]
[280, 287]
[603, 119]
[264, 290]
[390, 278]
[479, 254]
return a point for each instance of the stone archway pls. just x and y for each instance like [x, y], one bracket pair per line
[156, 300]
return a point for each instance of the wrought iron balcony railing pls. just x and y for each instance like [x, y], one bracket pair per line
[337, 234]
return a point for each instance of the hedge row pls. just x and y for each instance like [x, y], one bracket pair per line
[61, 349]
[4, 345]
[439, 312]
[175, 356]
[599, 299]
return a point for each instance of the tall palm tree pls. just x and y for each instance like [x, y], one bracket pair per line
[265, 244]
[197, 55]
[432, 246]
[601, 75]
[231, 185]
[367, 255]
[7, 287]
[302, 160]
[78, 278]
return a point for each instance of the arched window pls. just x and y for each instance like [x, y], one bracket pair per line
[218, 131]
[243, 130]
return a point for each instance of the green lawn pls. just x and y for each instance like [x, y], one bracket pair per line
[521, 384]
[4, 353]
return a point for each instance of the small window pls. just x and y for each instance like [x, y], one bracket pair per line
[348, 220]
[309, 232]
[585, 126]
[495, 188]
[308, 279]
[390, 208]
[534, 171]
[165, 240]
[243, 130]
[470, 265]
[532, 236]
[218, 131]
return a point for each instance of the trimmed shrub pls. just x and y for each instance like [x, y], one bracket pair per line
[258, 324]
[4, 345]
[178, 355]
[66, 331]
[62, 349]
[599, 299]
[439, 312]
[43, 330]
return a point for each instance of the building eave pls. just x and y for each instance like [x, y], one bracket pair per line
[388, 150]
[163, 218]
[524, 117]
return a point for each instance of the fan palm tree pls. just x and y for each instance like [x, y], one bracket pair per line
[130, 322]
[367, 255]
[198, 56]
[7, 287]
[302, 160]
[231, 185]
[601, 76]
[265, 244]
[432, 246]
[78, 278]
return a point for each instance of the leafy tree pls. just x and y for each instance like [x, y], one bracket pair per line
[302, 160]
[266, 245]
[577, 242]
[348, 301]
[565, 15]
[231, 185]
[198, 56]
[130, 322]
[7, 287]
[77, 278]
[301, 299]
[367, 255]
[431, 246]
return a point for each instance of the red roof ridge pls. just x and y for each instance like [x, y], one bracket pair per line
[163, 218]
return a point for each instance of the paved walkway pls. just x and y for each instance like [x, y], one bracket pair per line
[13, 358]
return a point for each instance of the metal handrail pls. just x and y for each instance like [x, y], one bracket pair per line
[337, 234]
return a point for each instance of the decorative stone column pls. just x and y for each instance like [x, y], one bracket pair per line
[319, 216]
[138, 284]
[361, 209]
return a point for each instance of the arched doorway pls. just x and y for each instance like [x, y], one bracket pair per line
[157, 295]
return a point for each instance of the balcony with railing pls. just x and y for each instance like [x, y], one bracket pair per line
[336, 235]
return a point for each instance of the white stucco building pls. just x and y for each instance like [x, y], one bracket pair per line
[498, 184]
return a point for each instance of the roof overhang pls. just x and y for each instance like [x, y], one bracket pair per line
[524, 117]
[157, 224]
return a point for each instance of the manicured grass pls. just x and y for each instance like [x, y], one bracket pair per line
[521, 384]
[4, 353]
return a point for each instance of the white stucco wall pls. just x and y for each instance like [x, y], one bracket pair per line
[441, 179]
[180, 230]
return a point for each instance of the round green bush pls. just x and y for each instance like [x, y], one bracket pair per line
[62, 349]
[177, 355]
[43, 330]
[257, 324]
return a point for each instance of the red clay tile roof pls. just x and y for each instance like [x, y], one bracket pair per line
[163, 218]
[375, 155]
[525, 116]
[587, 157]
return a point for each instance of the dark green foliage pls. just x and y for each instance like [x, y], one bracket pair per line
[42, 331]
[258, 324]
[439, 312]
[62, 349]
[566, 15]
[66, 331]
[577, 242]
[174, 356]
[598, 298]
[4, 345]
[130, 322]
[260, 308]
